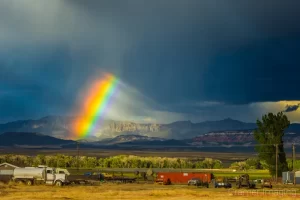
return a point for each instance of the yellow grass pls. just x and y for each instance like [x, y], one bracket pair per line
[127, 191]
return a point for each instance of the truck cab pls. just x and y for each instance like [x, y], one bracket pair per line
[62, 171]
[54, 178]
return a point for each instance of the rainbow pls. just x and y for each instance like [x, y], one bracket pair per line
[94, 105]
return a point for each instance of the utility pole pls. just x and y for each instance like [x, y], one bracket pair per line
[276, 162]
[294, 156]
[77, 156]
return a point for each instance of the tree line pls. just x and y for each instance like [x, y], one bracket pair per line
[125, 161]
[255, 163]
[121, 161]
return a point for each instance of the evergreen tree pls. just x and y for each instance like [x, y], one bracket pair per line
[269, 133]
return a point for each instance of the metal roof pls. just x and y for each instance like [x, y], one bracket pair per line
[2, 164]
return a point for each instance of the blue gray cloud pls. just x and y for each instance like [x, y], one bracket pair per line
[177, 54]
[291, 108]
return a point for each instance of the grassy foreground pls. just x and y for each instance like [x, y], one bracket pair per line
[127, 191]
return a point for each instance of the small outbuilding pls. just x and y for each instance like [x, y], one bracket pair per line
[291, 177]
[297, 177]
[7, 168]
[288, 177]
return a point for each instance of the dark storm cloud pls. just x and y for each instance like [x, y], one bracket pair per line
[291, 108]
[34, 85]
[173, 52]
[265, 71]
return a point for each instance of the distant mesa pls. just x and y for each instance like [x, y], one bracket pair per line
[58, 128]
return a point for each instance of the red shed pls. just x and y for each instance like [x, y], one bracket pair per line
[182, 177]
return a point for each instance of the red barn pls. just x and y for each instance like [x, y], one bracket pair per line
[182, 177]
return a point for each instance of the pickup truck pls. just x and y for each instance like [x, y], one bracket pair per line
[223, 184]
[197, 182]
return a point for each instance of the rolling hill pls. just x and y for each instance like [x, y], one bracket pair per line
[30, 139]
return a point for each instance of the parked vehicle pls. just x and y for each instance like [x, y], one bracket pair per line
[88, 174]
[107, 175]
[258, 181]
[83, 179]
[222, 183]
[244, 181]
[231, 180]
[197, 182]
[88, 178]
[167, 178]
[39, 175]
[266, 183]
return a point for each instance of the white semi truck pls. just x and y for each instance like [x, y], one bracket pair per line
[39, 175]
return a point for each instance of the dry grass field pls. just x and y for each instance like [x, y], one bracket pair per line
[132, 192]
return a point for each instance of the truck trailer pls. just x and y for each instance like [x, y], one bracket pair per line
[39, 175]
[167, 178]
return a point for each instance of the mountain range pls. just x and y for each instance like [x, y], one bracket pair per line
[54, 130]
[60, 127]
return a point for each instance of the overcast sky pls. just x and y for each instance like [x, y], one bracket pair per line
[176, 59]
